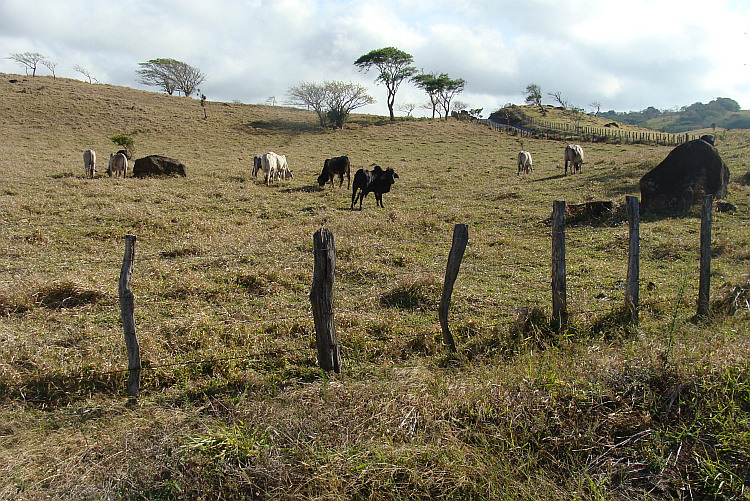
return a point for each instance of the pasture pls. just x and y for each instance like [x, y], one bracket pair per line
[232, 404]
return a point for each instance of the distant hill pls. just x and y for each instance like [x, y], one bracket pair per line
[721, 112]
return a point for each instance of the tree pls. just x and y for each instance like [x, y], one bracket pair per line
[441, 90]
[313, 97]
[597, 106]
[448, 91]
[123, 141]
[187, 78]
[394, 66]
[84, 72]
[342, 99]
[534, 96]
[50, 66]
[557, 96]
[30, 60]
[430, 83]
[170, 75]
[332, 101]
[407, 108]
[203, 103]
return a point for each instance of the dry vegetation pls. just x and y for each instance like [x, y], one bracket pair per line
[232, 405]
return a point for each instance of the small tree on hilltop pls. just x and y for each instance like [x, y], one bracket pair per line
[534, 96]
[171, 75]
[80, 69]
[50, 66]
[30, 60]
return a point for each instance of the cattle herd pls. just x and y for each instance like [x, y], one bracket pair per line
[377, 180]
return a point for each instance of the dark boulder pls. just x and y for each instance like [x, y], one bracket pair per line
[157, 165]
[689, 172]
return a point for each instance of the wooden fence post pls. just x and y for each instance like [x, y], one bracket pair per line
[559, 294]
[704, 287]
[321, 299]
[634, 252]
[460, 238]
[128, 320]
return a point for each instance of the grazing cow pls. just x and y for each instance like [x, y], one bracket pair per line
[89, 163]
[274, 167]
[378, 181]
[284, 172]
[574, 155]
[525, 163]
[118, 165]
[335, 166]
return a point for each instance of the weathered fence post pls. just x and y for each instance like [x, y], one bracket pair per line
[460, 238]
[321, 299]
[559, 294]
[634, 252]
[704, 285]
[128, 319]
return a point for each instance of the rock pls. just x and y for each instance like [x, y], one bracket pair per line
[157, 165]
[689, 172]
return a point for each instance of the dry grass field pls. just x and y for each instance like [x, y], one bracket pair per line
[232, 405]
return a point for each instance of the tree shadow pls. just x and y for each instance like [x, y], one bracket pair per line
[279, 125]
[303, 189]
[548, 178]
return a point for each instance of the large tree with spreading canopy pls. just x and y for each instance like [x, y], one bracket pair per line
[394, 66]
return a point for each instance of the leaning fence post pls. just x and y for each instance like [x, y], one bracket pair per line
[634, 252]
[321, 299]
[559, 294]
[704, 287]
[128, 319]
[460, 239]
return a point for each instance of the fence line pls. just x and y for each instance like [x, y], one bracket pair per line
[547, 129]
[325, 246]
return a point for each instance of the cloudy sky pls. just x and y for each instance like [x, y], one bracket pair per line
[624, 55]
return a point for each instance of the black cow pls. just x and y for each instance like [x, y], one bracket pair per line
[335, 166]
[377, 180]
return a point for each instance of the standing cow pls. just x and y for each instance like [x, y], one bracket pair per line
[377, 181]
[574, 155]
[89, 163]
[525, 163]
[118, 165]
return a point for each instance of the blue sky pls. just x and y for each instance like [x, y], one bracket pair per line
[626, 56]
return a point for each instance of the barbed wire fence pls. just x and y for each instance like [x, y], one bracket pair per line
[301, 309]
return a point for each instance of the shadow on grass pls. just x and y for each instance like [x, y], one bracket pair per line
[280, 125]
[303, 189]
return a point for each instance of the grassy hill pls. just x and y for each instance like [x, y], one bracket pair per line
[232, 404]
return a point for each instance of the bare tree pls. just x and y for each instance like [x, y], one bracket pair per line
[311, 96]
[407, 108]
[50, 66]
[187, 78]
[331, 101]
[557, 96]
[597, 106]
[30, 60]
[80, 69]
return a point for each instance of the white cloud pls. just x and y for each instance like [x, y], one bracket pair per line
[627, 56]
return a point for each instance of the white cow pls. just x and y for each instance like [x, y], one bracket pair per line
[525, 163]
[118, 164]
[89, 163]
[284, 171]
[274, 167]
[574, 155]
